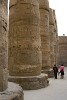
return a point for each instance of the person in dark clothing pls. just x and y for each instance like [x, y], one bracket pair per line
[55, 69]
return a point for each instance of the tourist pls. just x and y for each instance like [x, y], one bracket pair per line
[55, 69]
[62, 71]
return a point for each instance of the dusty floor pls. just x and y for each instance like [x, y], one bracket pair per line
[57, 90]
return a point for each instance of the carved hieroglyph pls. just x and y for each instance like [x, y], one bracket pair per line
[3, 44]
[25, 56]
[44, 33]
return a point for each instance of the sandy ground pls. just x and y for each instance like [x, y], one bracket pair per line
[57, 90]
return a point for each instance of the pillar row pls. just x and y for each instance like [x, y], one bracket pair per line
[25, 56]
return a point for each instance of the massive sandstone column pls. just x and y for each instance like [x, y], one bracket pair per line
[51, 30]
[3, 45]
[25, 57]
[8, 91]
[56, 49]
[45, 37]
[54, 35]
[44, 33]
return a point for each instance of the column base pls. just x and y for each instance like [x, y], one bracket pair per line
[49, 72]
[31, 82]
[13, 92]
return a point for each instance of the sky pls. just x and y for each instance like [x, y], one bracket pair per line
[60, 7]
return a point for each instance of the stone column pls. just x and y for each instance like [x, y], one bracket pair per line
[25, 57]
[51, 30]
[45, 37]
[8, 91]
[55, 35]
[44, 33]
[3, 45]
[56, 49]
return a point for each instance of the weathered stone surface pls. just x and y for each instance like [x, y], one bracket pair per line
[13, 92]
[44, 33]
[9, 91]
[31, 82]
[51, 17]
[44, 4]
[3, 44]
[32, 2]
[56, 49]
[63, 50]
[51, 31]
[25, 56]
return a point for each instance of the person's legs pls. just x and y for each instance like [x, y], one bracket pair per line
[62, 74]
[55, 75]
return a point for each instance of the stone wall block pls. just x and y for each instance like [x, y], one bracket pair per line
[63, 50]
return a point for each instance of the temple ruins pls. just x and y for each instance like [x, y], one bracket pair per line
[29, 46]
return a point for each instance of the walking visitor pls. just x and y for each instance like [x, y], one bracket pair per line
[55, 69]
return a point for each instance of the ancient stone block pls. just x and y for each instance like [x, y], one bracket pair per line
[31, 82]
[13, 92]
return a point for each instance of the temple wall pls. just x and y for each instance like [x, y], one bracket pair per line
[63, 50]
